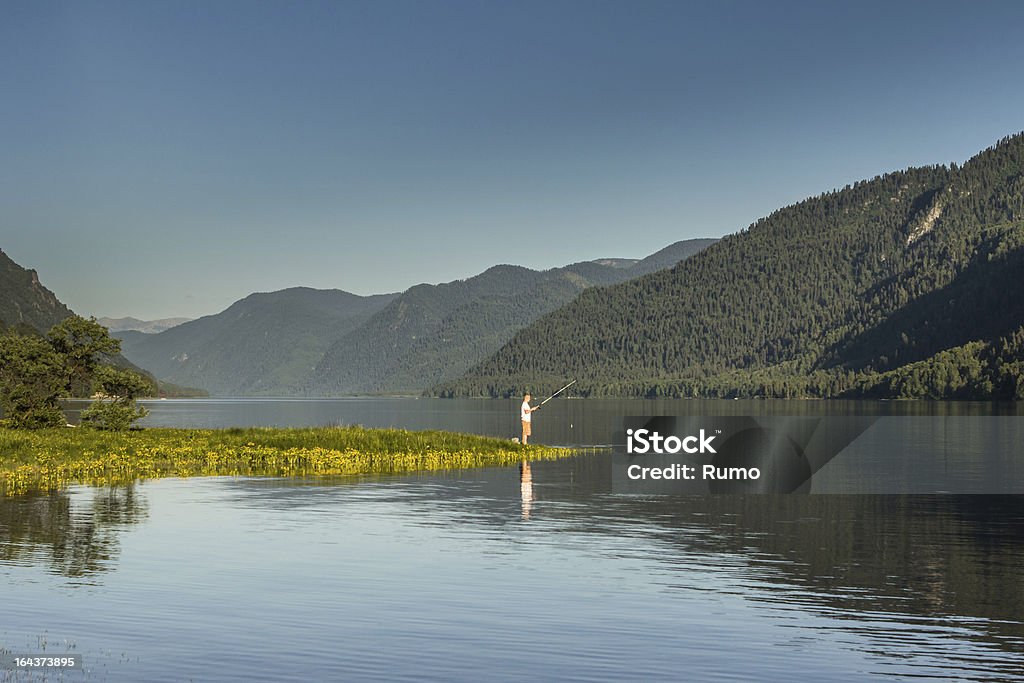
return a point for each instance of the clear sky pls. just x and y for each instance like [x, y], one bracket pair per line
[168, 158]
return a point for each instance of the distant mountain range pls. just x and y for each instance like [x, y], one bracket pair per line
[907, 285]
[329, 342]
[264, 344]
[903, 286]
[147, 326]
[432, 333]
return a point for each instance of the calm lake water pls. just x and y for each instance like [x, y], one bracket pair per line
[572, 422]
[555, 575]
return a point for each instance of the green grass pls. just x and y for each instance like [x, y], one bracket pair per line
[55, 458]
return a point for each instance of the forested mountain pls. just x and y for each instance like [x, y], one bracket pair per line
[906, 285]
[433, 333]
[24, 301]
[147, 326]
[264, 344]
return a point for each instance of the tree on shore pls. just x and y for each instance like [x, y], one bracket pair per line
[33, 379]
[83, 344]
[37, 372]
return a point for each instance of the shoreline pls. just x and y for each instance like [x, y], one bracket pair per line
[52, 459]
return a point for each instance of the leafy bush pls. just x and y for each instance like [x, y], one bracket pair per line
[115, 409]
[114, 414]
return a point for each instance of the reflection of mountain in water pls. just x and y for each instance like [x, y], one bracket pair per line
[75, 532]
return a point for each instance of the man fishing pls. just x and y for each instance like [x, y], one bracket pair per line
[525, 410]
[524, 413]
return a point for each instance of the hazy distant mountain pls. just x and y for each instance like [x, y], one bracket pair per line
[264, 344]
[23, 300]
[147, 326]
[317, 342]
[906, 285]
[617, 262]
[431, 333]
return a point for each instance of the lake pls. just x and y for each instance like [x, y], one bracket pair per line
[545, 573]
[562, 421]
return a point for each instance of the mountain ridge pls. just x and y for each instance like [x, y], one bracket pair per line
[261, 344]
[777, 309]
[128, 323]
[435, 332]
[302, 341]
[25, 300]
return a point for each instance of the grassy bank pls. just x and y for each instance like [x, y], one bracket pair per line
[55, 458]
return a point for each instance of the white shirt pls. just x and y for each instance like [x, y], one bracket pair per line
[525, 412]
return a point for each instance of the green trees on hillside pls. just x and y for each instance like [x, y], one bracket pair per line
[36, 372]
[841, 294]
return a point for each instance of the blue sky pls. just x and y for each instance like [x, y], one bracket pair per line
[168, 158]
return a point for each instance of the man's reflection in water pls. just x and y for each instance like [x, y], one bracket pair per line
[526, 487]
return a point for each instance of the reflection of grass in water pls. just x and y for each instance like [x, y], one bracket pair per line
[52, 459]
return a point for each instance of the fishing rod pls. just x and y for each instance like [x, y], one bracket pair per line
[557, 393]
